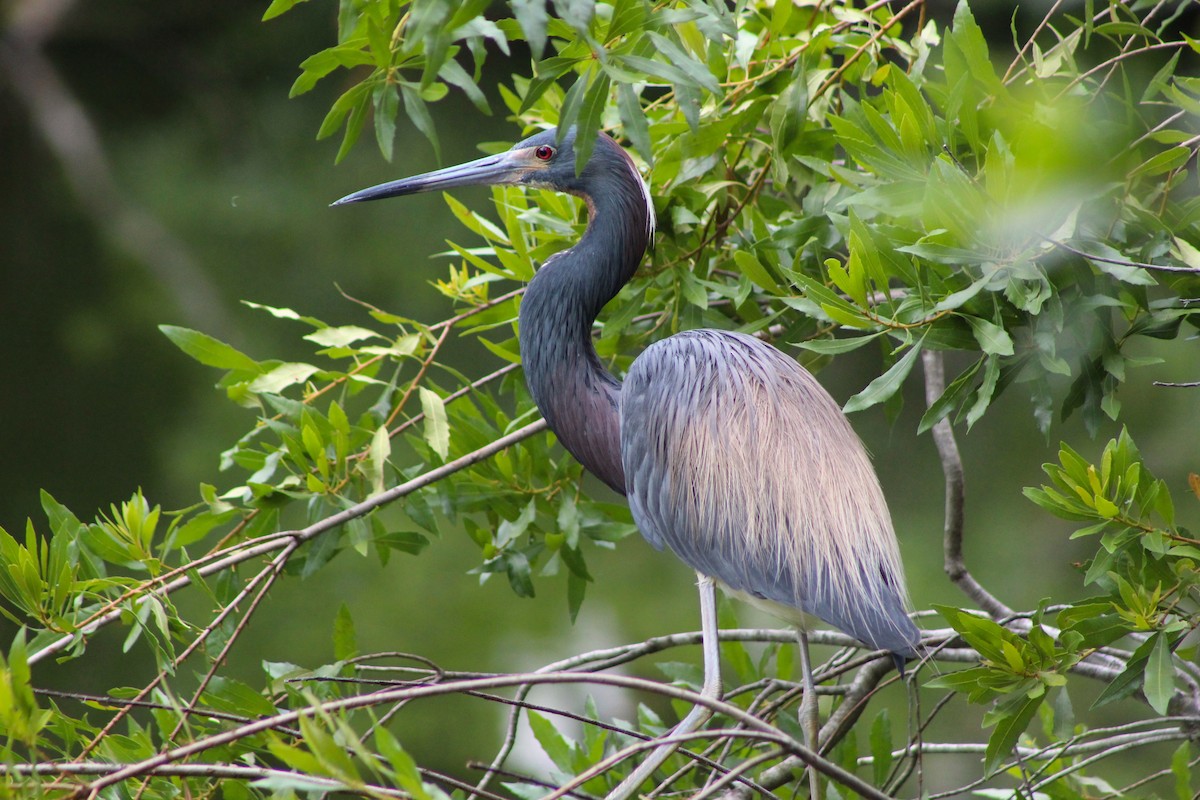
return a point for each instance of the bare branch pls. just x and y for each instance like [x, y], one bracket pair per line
[952, 468]
[753, 726]
[1119, 261]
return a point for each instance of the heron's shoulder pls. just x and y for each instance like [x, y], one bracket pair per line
[705, 341]
[721, 350]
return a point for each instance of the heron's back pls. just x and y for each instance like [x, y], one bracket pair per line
[741, 463]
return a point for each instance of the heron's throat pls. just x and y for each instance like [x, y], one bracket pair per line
[576, 394]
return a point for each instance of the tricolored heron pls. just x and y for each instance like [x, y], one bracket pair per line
[730, 453]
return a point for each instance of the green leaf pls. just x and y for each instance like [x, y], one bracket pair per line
[437, 427]
[1181, 768]
[418, 112]
[1162, 162]
[278, 7]
[353, 97]
[342, 336]
[234, 697]
[531, 16]
[1008, 731]
[1064, 715]
[697, 74]
[633, 118]
[983, 634]
[753, 269]
[835, 347]
[886, 384]
[209, 351]
[1159, 682]
[453, 73]
[576, 590]
[403, 765]
[377, 458]
[1130, 679]
[881, 746]
[987, 387]
[553, 743]
[955, 393]
[992, 338]
[281, 377]
[387, 106]
[345, 641]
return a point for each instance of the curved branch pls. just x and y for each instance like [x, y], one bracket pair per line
[952, 468]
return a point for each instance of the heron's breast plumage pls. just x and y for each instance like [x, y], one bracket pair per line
[741, 463]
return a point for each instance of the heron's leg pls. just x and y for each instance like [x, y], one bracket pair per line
[710, 645]
[810, 719]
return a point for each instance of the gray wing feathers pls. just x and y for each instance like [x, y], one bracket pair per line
[741, 463]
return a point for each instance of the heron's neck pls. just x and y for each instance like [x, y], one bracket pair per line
[575, 393]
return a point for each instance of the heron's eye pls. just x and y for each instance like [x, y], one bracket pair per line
[543, 152]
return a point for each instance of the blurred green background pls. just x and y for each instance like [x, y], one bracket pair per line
[205, 187]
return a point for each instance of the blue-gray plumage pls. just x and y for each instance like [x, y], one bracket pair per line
[731, 454]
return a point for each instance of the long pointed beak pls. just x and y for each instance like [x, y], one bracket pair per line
[507, 167]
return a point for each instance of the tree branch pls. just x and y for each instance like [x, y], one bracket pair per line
[753, 726]
[952, 468]
[276, 541]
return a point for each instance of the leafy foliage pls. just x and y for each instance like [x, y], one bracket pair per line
[830, 176]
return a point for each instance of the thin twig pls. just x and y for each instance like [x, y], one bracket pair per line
[231, 771]
[272, 568]
[268, 575]
[1119, 261]
[838, 724]
[754, 727]
[248, 550]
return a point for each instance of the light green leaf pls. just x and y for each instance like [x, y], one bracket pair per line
[437, 427]
[993, 339]
[1181, 768]
[380, 450]
[278, 7]
[835, 347]
[553, 743]
[531, 15]
[281, 377]
[403, 765]
[209, 351]
[340, 336]
[417, 111]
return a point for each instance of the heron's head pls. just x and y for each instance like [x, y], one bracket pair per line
[540, 160]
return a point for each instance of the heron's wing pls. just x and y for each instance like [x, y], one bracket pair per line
[742, 464]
